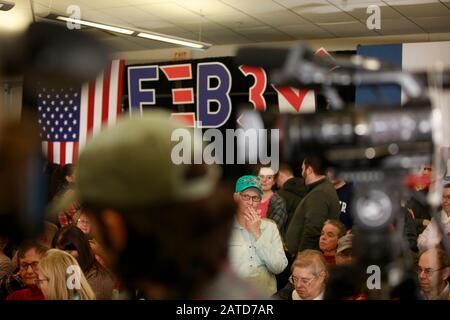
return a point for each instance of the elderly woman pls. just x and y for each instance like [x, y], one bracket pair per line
[309, 277]
[332, 231]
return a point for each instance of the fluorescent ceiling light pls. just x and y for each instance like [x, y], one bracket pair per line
[135, 32]
[97, 25]
[6, 5]
[180, 41]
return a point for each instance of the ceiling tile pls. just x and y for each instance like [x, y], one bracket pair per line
[264, 34]
[100, 17]
[434, 24]
[57, 6]
[236, 21]
[102, 4]
[358, 9]
[280, 18]
[305, 31]
[130, 14]
[352, 29]
[398, 26]
[176, 31]
[246, 21]
[350, 3]
[324, 14]
[226, 37]
[203, 26]
[434, 9]
[253, 7]
[306, 4]
[170, 12]
[152, 24]
[207, 7]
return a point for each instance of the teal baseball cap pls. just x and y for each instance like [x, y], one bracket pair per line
[246, 182]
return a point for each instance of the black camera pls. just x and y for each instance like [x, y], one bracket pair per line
[378, 149]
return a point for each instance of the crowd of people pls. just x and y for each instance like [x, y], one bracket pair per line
[127, 223]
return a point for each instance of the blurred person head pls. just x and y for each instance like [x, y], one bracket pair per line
[62, 178]
[68, 173]
[313, 169]
[285, 173]
[344, 250]
[267, 176]
[425, 172]
[433, 269]
[61, 278]
[81, 220]
[3, 243]
[23, 183]
[446, 199]
[73, 241]
[50, 170]
[164, 226]
[427, 169]
[47, 235]
[331, 175]
[29, 255]
[248, 193]
[332, 230]
[309, 274]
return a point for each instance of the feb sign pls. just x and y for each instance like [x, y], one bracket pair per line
[202, 93]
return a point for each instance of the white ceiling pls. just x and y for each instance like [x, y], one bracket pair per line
[249, 21]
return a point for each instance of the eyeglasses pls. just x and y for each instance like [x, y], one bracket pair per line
[85, 222]
[33, 265]
[446, 198]
[247, 197]
[307, 282]
[428, 271]
[268, 177]
[39, 281]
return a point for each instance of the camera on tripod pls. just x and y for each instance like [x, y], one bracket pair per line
[378, 149]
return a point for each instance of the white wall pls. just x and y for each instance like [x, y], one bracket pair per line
[10, 98]
[229, 50]
[13, 21]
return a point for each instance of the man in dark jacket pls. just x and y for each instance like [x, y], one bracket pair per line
[420, 210]
[344, 190]
[290, 188]
[320, 203]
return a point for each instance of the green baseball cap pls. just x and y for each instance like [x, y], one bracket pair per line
[246, 182]
[132, 165]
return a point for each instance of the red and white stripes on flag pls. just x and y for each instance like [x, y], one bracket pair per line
[99, 107]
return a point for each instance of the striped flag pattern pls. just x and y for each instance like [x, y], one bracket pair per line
[69, 117]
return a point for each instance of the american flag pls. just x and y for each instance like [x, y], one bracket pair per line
[68, 117]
